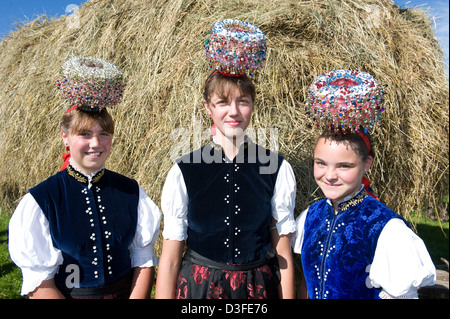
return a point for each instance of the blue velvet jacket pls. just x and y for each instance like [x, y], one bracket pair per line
[229, 210]
[337, 249]
[92, 226]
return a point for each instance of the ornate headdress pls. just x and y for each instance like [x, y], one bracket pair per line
[235, 47]
[90, 84]
[345, 101]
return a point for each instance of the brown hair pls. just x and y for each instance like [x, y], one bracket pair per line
[77, 121]
[355, 141]
[221, 84]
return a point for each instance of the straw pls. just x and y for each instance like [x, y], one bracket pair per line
[159, 46]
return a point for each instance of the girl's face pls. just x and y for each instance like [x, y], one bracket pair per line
[338, 170]
[232, 115]
[89, 148]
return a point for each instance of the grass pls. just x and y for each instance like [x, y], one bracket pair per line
[434, 236]
[160, 49]
[10, 274]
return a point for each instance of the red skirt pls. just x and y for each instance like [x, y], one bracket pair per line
[202, 278]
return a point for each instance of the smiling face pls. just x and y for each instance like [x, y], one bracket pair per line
[89, 138]
[230, 114]
[338, 169]
[89, 148]
[229, 101]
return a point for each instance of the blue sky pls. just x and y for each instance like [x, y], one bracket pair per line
[13, 11]
[439, 10]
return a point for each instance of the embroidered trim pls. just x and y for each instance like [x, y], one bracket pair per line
[217, 147]
[97, 176]
[82, 178]
[353, 202]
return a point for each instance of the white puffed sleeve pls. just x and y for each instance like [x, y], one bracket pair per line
[30, 244]
[283, 199]
[174, 204]
[401, 262]
[297, 238]
[142, 249]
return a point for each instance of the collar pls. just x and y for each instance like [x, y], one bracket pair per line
[214, 144]
[84, 178]
[351, 200]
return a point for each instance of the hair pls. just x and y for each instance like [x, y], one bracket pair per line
[77, 121]
[353, 139]
[220, 84]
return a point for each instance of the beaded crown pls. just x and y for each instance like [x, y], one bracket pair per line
[90, 84]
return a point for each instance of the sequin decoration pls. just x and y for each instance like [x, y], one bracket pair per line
[90, 83]
[235, 47]
[345, 100]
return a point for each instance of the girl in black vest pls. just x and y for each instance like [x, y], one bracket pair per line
[86, 232]
[231, 204]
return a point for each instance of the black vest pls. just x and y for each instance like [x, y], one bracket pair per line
[92, 227]
[230, 209]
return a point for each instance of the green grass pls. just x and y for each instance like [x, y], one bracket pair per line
[10, 274]
[435, 237]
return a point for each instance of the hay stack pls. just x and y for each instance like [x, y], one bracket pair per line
[159, 46]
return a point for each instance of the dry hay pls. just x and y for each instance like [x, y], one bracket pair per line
[159, 46]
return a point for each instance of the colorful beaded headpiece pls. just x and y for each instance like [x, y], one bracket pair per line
[235, 47]
[345, 100]
[90, 84]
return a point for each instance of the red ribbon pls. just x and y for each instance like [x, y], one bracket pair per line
[229, 74]
[366, 183]
[72, 108]
[366, 140]
[223, 73]
[66, 157]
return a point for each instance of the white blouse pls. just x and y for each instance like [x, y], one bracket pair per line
[31, 247]
[401, 262]
[174, 203]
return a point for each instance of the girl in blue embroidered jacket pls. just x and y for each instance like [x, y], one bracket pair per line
[351, 244]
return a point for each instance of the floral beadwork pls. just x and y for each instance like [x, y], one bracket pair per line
[345, 100]
[90, 83]
[235, 47]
